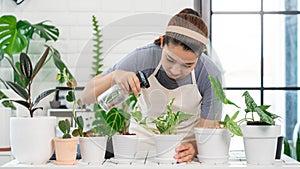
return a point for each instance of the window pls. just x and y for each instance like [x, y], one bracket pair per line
[256, 42]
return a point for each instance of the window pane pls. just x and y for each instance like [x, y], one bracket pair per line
[280, 5]
[280, 50]
[236, 41]
[284, 104]
[235, 5]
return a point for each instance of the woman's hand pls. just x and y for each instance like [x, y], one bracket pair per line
[128, 81]
[185, 152]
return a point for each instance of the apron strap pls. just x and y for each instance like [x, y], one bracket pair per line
[157, 68]
[193, 77]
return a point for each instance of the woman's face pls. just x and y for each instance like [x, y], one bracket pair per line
[177, 62]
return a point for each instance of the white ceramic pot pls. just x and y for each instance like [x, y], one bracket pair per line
[260, 143]
[165, 146]
[212, 145]
[92, 149]
[125, 146]
[5, 114]
[31, 138]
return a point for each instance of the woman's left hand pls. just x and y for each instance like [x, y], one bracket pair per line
[185, 152]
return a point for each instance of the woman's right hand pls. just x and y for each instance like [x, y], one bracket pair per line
[128, 81]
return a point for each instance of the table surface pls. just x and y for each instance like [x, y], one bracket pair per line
[236, 160]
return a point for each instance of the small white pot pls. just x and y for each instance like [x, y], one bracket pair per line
[260, 143]
[92, 149]
[212, 145]
[165, 146]
[125, 146]
[31, 139]
[5, 114]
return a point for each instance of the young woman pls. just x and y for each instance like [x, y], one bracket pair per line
[176, 67]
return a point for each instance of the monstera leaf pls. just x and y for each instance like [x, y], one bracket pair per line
[12, 39]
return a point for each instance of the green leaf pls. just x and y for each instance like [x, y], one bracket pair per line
[234, 128]
[75, 133]
[45, 31]
[249, 101]
[25, 65]
[115, 119]
[70, 96]
[18, 89]
[298, 147]
[9, 104]
[43, 95]
[287, 148]
[59, 63]
[219, 92]
[40, 63]
[80, 122]
[12, 39]
[64, 126]
[183, 116]
[263, 116]
[235, 115]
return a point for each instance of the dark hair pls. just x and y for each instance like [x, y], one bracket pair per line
[190, 19]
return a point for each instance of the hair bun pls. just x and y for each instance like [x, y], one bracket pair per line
[189, 11]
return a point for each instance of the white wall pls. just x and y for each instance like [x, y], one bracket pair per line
[126, 24]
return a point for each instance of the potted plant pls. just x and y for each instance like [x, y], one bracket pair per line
[66, 146]
[118, 119]
[165, 136]
[260, 136]
[16, 37]
[94, 141]
[213, 143]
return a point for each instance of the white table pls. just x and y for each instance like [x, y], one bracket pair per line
[237, 160]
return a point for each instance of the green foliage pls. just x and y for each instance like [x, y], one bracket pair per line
[15, 37]
[251, 107]
[288, 148]
[97, 47]
[71, 82]
[65, 128]
[262, 112]
[168, 122]
[6, 103]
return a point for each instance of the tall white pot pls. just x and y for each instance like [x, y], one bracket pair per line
[165, 146]
[92, 149]
[125, 146]
[260, 143]
[5, 114]
[212, 145]
[31, 138]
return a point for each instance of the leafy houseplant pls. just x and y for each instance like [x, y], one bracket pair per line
[15, 40]
[65, 147]
[166, 135]
[168, 123]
